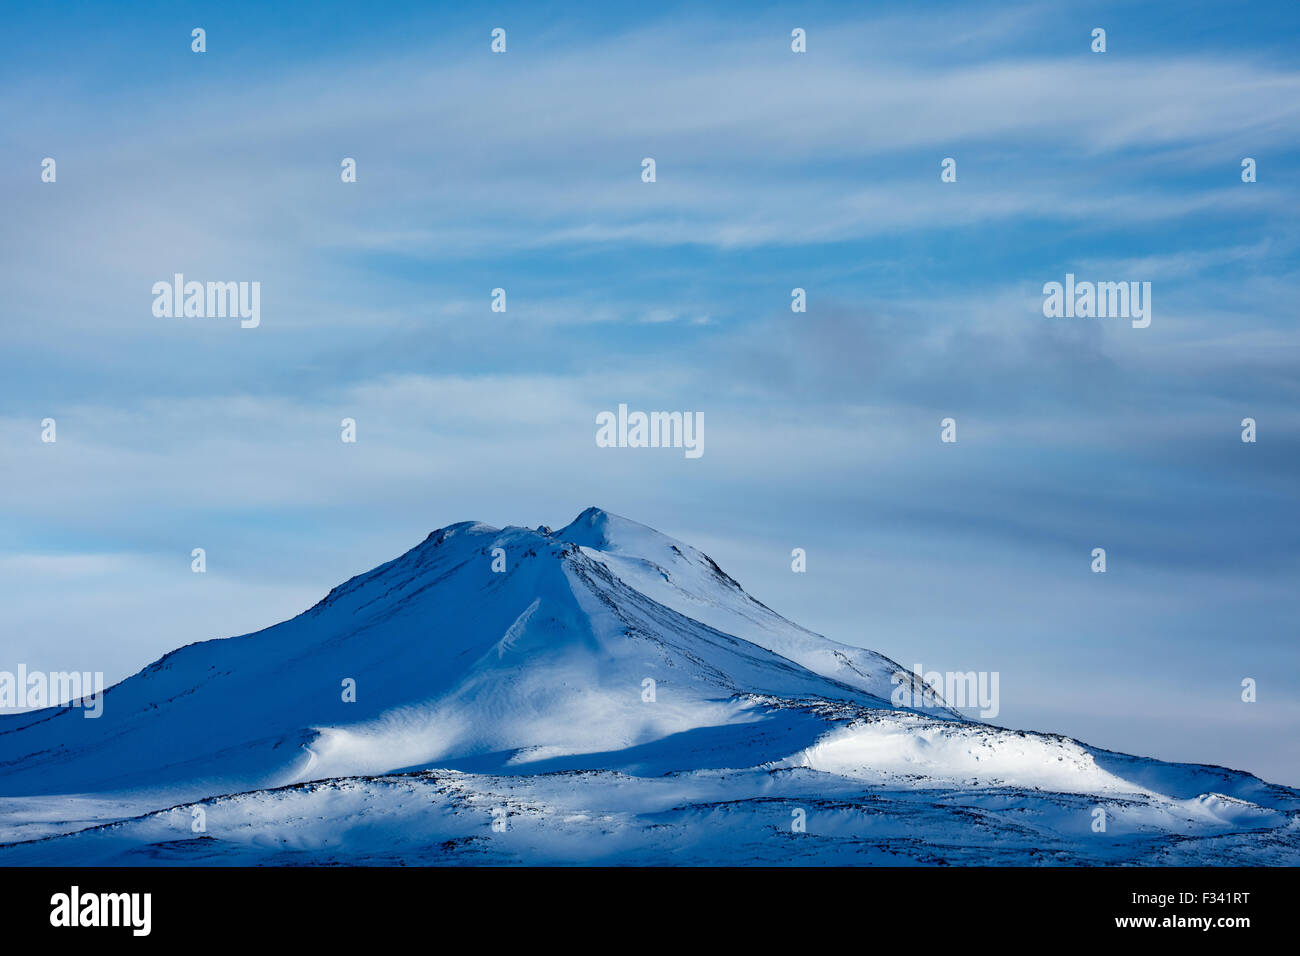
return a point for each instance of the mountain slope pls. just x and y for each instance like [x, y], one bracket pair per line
[452, 661]
[698, 722]
[688, 581]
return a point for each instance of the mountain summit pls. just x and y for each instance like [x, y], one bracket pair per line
[496, 647]
[492, 664]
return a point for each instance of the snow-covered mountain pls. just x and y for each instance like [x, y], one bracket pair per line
[598, 693]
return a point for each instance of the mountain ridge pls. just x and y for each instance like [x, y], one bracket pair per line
[511, 664]
[445, 585]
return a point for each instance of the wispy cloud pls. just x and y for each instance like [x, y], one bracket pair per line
[775, 171]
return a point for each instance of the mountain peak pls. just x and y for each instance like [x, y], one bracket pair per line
[507, 654]
[592, 517]
[601, 530]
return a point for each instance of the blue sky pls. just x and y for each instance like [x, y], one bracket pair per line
[774, 170]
